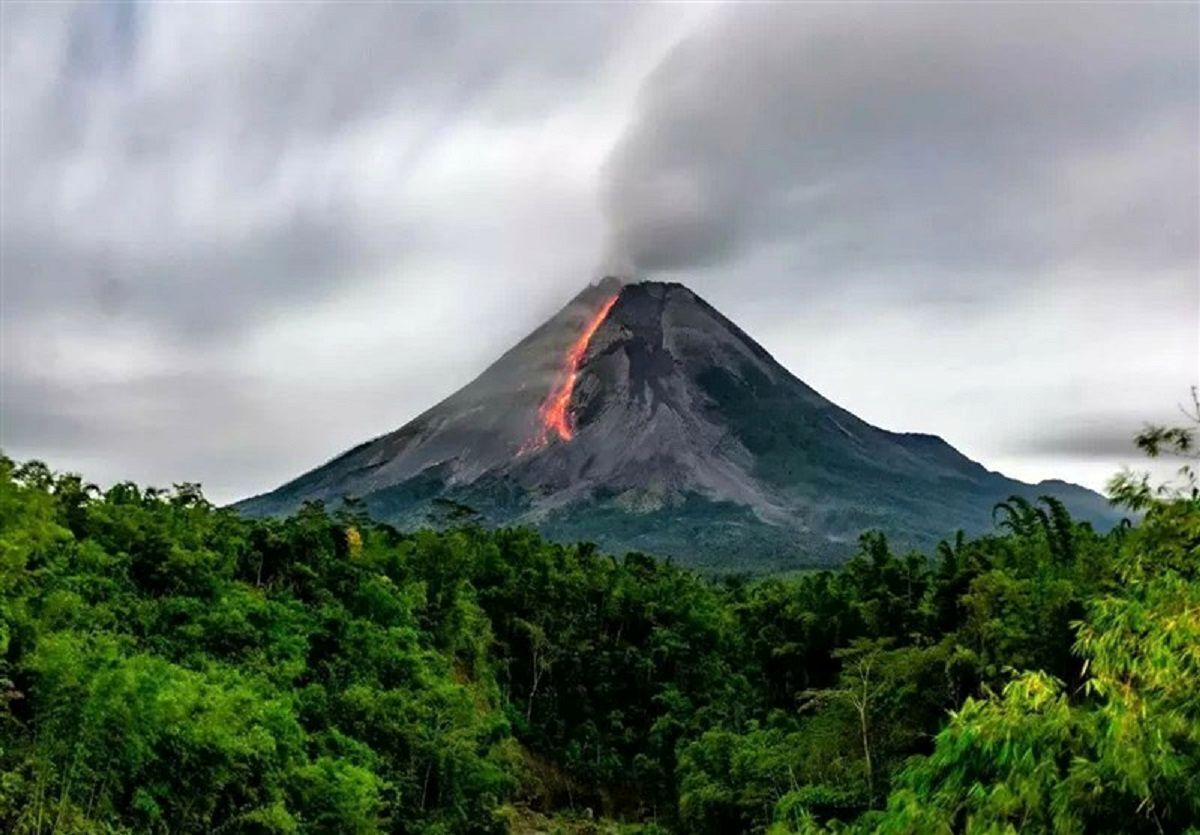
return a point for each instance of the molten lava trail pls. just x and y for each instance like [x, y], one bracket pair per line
[553, 413]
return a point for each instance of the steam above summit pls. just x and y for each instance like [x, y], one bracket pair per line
[909, 134]
[641, 418]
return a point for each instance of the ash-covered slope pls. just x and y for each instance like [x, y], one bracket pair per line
[641, 418]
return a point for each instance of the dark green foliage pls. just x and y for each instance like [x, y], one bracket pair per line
[170, 667]
[166, 665]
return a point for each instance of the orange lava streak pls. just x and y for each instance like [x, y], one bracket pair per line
[553, 411]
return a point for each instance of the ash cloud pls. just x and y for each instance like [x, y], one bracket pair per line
[926, 135]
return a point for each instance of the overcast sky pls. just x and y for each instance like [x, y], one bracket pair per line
[240, 238]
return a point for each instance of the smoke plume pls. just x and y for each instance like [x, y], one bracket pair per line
[913, 135]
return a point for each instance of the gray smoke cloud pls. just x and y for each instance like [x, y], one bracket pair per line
[927, 135]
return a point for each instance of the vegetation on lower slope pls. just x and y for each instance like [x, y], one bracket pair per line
[167, 666]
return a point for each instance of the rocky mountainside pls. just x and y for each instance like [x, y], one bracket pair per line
[640, 418]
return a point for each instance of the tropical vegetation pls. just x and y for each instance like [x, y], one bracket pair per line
[168, 666]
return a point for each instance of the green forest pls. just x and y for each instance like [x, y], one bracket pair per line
[167, 666]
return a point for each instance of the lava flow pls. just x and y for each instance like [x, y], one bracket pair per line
[553, 412]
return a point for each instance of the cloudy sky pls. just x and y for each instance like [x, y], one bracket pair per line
[239, 238]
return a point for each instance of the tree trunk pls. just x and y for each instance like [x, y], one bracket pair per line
[862, 718]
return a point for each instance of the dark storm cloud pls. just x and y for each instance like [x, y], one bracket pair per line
[951, 135]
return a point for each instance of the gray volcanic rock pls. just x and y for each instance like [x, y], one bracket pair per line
[689, 440]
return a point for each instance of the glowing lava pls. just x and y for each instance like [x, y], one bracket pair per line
[553, 412]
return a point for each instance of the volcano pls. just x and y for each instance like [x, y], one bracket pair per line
[640, 418]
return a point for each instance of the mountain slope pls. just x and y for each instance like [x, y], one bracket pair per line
[641, 418]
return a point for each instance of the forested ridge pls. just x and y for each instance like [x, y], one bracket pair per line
[167, 666]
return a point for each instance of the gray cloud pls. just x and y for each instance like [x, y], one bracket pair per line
[169, 423]
[1103, 440]
[932, 135]
[239, 238]
[200, 157]
[201, 288]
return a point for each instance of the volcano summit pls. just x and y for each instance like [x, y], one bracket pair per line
[640, 418]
